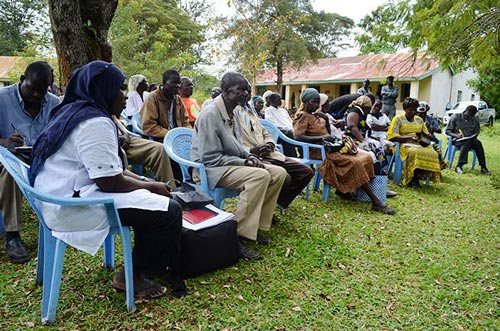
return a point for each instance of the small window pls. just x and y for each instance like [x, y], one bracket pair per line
[405, 91]
[472, 97]
[459, 96]
[344, 89]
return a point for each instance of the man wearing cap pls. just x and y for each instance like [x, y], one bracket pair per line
[365, 89]
[389, 95]
[464, 129]
[433, 126]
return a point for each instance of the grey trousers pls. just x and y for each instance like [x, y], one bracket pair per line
[11, 201]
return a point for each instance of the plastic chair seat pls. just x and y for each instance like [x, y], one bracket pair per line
[177, 144]
[451, 150]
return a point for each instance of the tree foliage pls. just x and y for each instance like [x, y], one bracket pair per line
[150, 36]
[23, 27]
[462, 33]
[277, 33]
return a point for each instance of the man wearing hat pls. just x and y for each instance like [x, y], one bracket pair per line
[433, 126]
[389, 95]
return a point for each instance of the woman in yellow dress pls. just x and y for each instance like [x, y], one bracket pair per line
[418, 161]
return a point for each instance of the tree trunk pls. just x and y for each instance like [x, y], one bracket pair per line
[279, 77]
[80, 29]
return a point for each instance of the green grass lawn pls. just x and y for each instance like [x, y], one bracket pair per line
[331, 266]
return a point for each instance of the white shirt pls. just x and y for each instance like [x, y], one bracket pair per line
[279, 117]
[134, 103]
[382, 120]
[89, 152]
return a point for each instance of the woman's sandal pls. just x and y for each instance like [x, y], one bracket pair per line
[143, 288]
[386, 209]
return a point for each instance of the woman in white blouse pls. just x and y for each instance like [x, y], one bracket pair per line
[78, 155]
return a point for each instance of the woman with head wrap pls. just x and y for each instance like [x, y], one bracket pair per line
[78, 155]
[345, 172]
[137, 85]
[357, 128]
[418, 161]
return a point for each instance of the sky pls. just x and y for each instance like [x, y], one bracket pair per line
[354, 9]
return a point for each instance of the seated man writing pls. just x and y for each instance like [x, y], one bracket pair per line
[464, 128]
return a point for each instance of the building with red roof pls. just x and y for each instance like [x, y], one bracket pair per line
[420, 77]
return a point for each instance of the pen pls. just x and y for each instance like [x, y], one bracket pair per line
[13, 126]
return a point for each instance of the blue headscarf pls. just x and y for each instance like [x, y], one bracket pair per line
[91, 91]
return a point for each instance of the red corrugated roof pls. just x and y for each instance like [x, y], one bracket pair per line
[7, 64]
[355, 68]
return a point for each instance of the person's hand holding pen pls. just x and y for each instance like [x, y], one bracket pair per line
[15, 139]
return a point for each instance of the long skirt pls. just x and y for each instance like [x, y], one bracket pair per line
[426, 159]
[347, 172]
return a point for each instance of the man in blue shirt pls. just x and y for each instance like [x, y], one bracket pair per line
[24, 112]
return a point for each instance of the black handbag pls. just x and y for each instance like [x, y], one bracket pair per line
[209, 249]
[189, 197]
[332, 144]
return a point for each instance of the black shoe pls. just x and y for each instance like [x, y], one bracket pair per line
[485, 171]
[177, 285]
[459, 170]
[263, 239]
[346, 196]
[247, 253]
[16, 251]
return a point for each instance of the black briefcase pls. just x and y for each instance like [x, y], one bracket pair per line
[209, 249]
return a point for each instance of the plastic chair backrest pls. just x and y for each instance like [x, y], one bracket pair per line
[177, 144]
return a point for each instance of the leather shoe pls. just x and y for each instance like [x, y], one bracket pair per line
[485, 171]
[390, 194]
[459, 170]
[246, 252]
[263, 239]
[16, 251]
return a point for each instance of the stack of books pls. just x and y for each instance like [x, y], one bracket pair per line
[205, 217]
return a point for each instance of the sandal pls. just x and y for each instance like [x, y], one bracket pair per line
[386, 209]
[143, 287]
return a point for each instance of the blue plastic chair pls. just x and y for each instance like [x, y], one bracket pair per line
[451, 149]
[177, 144]
[305, 159]
[51, 250]
[398, 166]
[136, 126]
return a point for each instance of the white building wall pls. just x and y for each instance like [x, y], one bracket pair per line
[459, 82]
[445, 87]
[441, 88]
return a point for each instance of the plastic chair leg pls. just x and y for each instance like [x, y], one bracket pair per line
[109, 251]
[40, 256]
[55, 282]
[2, 232]
[128, 268]
[317, 180]
[326, 191]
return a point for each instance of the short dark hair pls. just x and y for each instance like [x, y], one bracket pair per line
[229, 79]
[42, 69]
[274, 96]
[409, 102]
[170, 73]
[471, 108]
